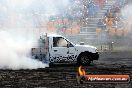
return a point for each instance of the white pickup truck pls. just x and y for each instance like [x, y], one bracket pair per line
[57, 49]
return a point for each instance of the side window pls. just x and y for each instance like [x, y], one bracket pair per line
[59, 42]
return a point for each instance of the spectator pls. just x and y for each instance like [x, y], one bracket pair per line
[92, 9]
[101, 24]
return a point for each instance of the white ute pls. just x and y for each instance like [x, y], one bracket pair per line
[57, 49]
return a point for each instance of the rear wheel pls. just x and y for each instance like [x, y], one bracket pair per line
[84, 59]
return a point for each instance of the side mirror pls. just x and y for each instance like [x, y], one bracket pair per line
[67, 45]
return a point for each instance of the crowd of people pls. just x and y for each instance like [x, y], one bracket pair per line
[74, 16]
[112, 22]
[94, 6]
[80, 10]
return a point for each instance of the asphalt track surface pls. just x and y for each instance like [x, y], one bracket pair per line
[64, 76]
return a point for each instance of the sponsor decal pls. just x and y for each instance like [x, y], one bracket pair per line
[83, 78]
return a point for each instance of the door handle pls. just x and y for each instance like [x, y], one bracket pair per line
[55, 50]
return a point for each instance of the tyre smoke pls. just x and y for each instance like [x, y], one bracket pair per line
[20, 25]
[15, 52]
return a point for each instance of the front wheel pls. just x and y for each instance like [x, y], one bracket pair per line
[85, 59]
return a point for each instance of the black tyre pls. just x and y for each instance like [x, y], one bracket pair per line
[84, 59]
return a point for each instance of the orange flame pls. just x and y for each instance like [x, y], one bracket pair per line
[81, 71]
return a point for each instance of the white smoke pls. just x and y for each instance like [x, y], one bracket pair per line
[126, 12]
[19, 28]
[14, 52]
